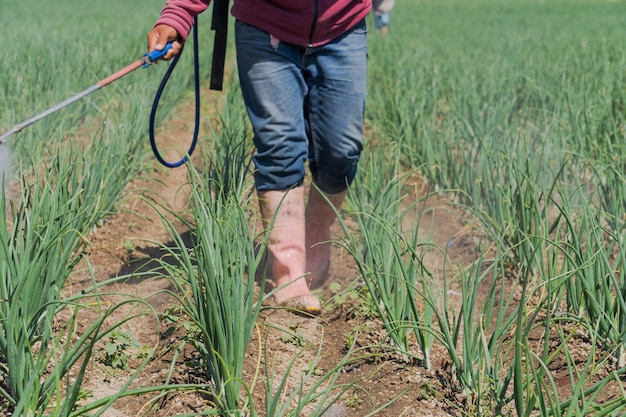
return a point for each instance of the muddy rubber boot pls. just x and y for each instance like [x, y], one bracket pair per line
[319, 218]
[286, 248]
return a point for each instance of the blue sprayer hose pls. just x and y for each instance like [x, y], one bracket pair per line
[157, 98]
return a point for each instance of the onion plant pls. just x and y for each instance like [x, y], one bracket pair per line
[385, 251]
[475, 334]
[597, 291]
[228, 159]
[36, 259]
[43, 235]
[214, 279]
[612, 192]
[544, 396]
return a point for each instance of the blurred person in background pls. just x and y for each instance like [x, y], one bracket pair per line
[302, 71]
[382, 13]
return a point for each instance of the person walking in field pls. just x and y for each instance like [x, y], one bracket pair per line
[382, 13]
[302, 70]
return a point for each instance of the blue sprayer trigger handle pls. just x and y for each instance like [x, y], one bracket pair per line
[156, 54]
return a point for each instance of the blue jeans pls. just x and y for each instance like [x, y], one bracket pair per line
[381, 20]
[304, 103]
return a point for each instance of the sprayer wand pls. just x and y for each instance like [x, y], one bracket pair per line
[144, 62]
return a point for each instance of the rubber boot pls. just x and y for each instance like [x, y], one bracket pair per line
[319, 218]
[286, 248]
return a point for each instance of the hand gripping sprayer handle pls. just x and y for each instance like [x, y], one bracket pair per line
[150, 57]
[144, 62]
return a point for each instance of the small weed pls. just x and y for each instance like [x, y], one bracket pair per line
[176, 319]
[346, 297]
[117, 350]
[366, 309]
[294, 335]
[128, 245]
[348, 339]
[313, 369]
[426, 392]
[353, 400]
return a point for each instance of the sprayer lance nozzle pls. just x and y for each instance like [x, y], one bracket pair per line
[15, 129]
[145, 61]
[152, 56]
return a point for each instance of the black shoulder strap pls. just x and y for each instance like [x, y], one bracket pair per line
[219, 23]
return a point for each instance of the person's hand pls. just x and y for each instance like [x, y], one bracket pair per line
[160, 36]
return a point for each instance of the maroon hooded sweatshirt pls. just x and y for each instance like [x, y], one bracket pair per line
[299, 22]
